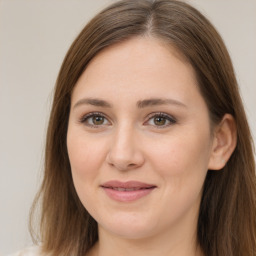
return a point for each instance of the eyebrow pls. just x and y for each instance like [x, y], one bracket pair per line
[157, 102]
[94, 102]
[140, 104]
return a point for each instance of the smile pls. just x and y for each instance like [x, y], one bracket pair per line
[127, 191]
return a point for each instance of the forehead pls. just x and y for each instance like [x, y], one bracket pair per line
[139, 66]
[145, 52]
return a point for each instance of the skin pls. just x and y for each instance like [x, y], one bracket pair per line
[130, 143]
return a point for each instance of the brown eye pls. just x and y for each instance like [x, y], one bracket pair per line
[95, 120]
[98, 120]
[160, 120]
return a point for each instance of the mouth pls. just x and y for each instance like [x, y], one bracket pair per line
[127, 191]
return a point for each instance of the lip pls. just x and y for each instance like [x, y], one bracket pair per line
[127, 191]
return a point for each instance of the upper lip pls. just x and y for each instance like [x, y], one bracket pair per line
[127, 184]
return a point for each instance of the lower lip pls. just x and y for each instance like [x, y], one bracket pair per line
[127, 196]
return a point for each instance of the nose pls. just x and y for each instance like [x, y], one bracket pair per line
[124, 153]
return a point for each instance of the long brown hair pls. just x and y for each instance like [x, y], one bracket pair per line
[226, 223]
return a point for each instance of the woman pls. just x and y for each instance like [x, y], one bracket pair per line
[148, 148]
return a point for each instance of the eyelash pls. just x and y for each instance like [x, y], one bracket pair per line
[167, 117]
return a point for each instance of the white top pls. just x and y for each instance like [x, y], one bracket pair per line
[30, 251]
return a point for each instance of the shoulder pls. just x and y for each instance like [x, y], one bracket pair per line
[30, 251]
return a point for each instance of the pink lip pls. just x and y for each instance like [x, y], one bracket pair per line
[127, 191]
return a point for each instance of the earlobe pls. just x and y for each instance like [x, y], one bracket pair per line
[224, 142]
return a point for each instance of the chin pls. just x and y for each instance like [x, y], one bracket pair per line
[129, 227]
[129, 233]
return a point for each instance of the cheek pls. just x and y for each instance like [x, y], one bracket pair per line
[182, 160]
[86, 159]
[84, 156]
[182, 166]
[181, 156]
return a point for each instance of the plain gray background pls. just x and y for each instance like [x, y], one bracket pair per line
[34, 37]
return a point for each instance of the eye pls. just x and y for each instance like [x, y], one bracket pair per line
[161, 120]
[95, 120]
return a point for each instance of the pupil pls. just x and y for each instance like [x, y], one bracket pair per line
[98, 120]
[159, 121]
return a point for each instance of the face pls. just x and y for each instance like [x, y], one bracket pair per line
[139, 140]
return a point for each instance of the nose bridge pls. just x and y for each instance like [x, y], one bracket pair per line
[124, 152]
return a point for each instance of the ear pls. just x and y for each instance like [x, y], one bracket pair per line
[224, 142]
